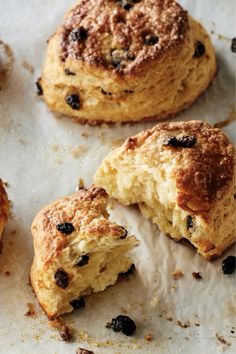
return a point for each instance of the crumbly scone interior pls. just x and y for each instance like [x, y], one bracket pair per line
[107, 259]
[152, 185]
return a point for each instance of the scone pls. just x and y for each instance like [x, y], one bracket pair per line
[126, 61]
[77, 251]
[4, 208]
[182, 176]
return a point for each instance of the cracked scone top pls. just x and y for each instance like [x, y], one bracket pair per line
[126, 60]
[78, 250]
[182, 176]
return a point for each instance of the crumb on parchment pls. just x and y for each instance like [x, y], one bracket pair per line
[176, 274]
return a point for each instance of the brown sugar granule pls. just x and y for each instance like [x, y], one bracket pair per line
[31, 310]
[197, 275]
[177, 274]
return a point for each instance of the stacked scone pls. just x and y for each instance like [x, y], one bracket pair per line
[126, 60]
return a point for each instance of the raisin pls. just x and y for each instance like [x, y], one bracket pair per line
[229, 265]
[68, 72]
[233, 45]
[189, 222]
[197, 275]
[181, 141]
[78, 303]
[122, 324]
[39, 89]
[199, 49]
[79, 34]
[83, 351]
[61, 278]
[65, 228]
[83, 261]
[151, 39]
[73, 101]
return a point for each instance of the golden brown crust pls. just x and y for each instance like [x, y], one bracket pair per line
[120, 38]
[205, 170]
[79, 209]
[4, 207]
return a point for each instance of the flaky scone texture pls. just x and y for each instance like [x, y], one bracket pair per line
[182, 176]
[4, 207]
[126, 61]
[84, 255]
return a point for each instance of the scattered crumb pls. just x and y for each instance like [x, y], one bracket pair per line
[85, 135]
[169, 318]
[83, 351]
[185, 324]
[31, 310]
[7, 273]
[222, 340]
[55, 147]
[77, 151]
[148, 337]
[177, 274]
[22, 141]
[197, 275]
[116, 143]
[27, 66]
[220, 36]
[154, 302]
[80, 184]
[63, 330]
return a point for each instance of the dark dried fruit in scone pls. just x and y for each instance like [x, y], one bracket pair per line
[78, 303]
[233, 45]
[79, 34]
[199, 49]
[61, 278]
[125, 233]
[73, 101]
[39, 89]
[83, 351]
[189, 222]
[83, 261]
[229, 265]
[151, 39]
[65, 228]
[180, 141]
[122, 324]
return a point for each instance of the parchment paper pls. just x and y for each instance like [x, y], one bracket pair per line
[43, 157]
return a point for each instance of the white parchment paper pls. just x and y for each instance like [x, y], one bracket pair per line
[43, 157]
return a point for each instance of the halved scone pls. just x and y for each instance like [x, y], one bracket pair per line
[78, 250]
[182, 176]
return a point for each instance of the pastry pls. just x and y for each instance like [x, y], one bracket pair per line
[78, 250]
[4, 208]
[182, 176]
[126, 61]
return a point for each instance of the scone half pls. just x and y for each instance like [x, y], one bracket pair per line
[4, 207]
[78, 250]
[182, 176]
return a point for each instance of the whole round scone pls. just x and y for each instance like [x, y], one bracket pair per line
[126, 60]
[4, 208]
[182, 176]
[78, 250]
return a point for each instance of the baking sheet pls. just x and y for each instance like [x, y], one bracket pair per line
[42, 158]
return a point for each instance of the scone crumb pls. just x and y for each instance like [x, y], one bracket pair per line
[197, 275]
[222, 340]
[148, 337]
[27, 66]
[83, 351]
[63, 330]
[176, 274]
[31, 310]
[185, 324]
[77, 151]
[85, 135]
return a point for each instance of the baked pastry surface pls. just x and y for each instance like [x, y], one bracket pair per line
[78, 250]
[182, 176]
[126, 60]
[4, 207]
